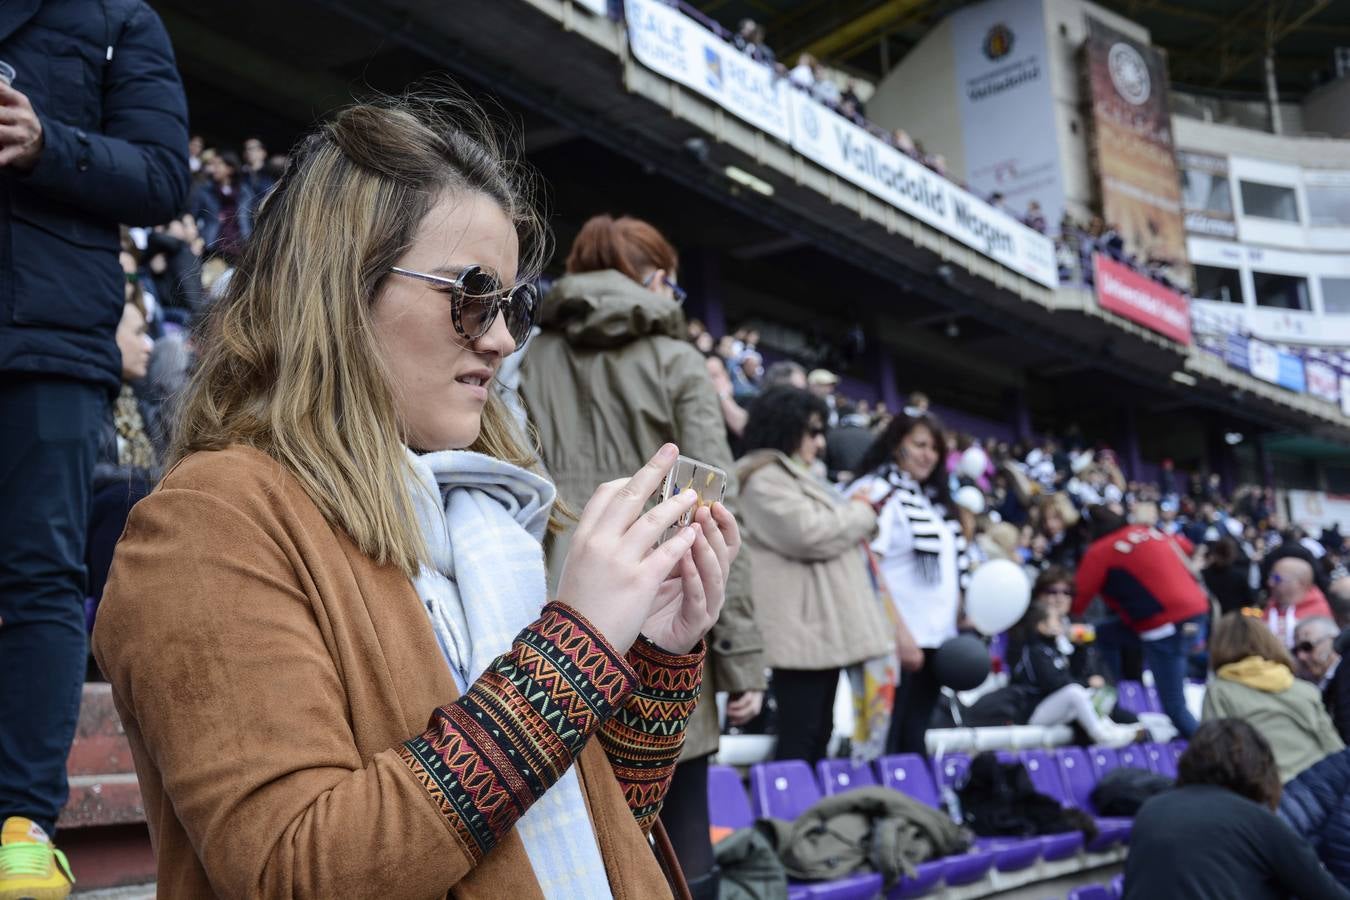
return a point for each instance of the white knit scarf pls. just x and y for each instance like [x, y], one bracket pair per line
[483, 521]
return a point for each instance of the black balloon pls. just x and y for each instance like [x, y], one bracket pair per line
[962, 663]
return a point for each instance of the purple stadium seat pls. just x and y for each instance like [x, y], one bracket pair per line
[951, 769]
[782, 790]
[1152, 702]
[1090, 892]
[1117, 886]
[908, 773]
[799, 892]
[727, 804]
[1076, 771]
[926, 877]
[1160, 759]
[1133, 757]
[1046, 776]
[839, 775]
[1131, 696]
[1103, 760]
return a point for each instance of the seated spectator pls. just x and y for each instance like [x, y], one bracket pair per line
[173, 258]
[904, 143]
[747, 372]
[1035, 218]
[1319, 661]
[1316, 805]
[1293, 597]
[1254, 681]
[1051, 694]
[749, 39]
[803, 75]
[1216, 837]
[815, 606]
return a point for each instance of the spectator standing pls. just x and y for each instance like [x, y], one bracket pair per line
[223, 206]
[847, 443]
[749, 39]
[1216, 837]
[823, 383]
[785, 371]
[815, 606]
[1227, 574]
[1144, 578]
[256, 173]
[613, 343]
[94, 135]
[1320, 662]
[1254, 681]
[922, 555]
[1293, 597]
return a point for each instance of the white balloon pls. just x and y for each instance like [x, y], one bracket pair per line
[998, 596]
[970, 497]
[973, 463]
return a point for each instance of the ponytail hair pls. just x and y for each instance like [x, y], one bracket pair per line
[625, 244]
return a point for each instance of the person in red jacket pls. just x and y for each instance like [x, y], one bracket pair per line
[1294, 596]
[1143, 576]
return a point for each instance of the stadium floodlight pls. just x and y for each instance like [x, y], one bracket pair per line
[1185, 378]
[745, 179]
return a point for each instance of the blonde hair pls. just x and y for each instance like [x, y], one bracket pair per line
[290, 364]
[1238, 636]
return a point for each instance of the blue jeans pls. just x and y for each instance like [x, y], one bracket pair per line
[47, 456]
[1167, 658]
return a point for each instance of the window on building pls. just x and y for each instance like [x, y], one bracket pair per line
[1269, 201]
[1218, 283]
[1281, 291]
[1328, 205]
[1205, 191]
[1336, 296]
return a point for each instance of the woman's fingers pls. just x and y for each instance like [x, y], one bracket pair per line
[626, 505]
[704, 519]
[730, 529]
[649, 527]
[594, 510]
[711, 576]
[695, 598]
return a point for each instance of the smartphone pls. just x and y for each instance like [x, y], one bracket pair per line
[708, 483]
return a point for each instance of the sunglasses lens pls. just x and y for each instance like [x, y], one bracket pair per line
[477, 301]
[519, 312]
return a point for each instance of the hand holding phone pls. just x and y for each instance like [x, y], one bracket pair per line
[708, 483]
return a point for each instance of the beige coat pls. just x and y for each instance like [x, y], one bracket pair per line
[813, 598]
[606, 383]
[267, 673]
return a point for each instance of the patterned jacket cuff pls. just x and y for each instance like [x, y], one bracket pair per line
[644, 738]
[492, 753]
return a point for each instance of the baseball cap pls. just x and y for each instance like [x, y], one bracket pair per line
[822, 376]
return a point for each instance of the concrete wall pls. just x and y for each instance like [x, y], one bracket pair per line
[1327, 109]
[920, 96]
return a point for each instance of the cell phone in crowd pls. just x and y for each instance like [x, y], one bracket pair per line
[708, 483]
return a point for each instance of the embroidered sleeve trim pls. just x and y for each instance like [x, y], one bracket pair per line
[492, 753]
[644, 738]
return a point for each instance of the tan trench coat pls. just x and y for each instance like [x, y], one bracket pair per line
[813, 599]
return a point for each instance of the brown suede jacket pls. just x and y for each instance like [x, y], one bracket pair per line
[297, 732]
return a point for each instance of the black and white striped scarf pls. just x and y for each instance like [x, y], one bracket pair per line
[926, 517]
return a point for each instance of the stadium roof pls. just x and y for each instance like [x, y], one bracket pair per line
[1214, 46]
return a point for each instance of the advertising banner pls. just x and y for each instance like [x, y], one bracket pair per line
[1345, 395]
[666, 41]
[1206, 194]
[1269, 363]
[1003, 75]
[1323, 381]
[1132, 144]
[878, 168]
[1126, 293]
[1315, 510]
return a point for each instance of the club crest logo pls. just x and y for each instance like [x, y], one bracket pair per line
[1129, 73]
[713, 62]
[998, 43]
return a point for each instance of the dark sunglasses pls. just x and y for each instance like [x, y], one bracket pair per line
[816, 430]
[477, 298]
[1308, 646]
[1056, 591]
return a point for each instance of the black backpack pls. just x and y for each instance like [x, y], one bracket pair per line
[1122, 791]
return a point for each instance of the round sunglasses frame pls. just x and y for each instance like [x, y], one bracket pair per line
[524, 294]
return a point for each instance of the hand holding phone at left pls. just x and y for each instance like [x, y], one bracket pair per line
[691, 597]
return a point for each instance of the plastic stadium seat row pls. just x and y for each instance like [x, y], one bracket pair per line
[786, 789]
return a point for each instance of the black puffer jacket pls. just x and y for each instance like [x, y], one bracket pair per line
[101, 77]
[1317, 805]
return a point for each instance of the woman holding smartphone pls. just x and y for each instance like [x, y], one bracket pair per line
[327, 631]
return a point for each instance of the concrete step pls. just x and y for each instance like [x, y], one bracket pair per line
[97, 800]
[110, 856]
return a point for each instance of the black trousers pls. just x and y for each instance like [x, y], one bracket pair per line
[805, 699]
[51, 432]
[915, 698]
[685, 815]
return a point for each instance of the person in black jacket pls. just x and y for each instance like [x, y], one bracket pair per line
[1216, 836]
[1317, 805]
[1040, 672]
[93, 134]
[1320, 658]
[1227, 574]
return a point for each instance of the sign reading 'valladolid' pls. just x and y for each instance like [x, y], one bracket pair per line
[668, 42]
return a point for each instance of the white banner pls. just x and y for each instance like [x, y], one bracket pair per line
[878, 168]
[1323, 380]
[1265, 360]
[1315, 510]
[668, 42]
[1007, 106]
[1345, 395]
